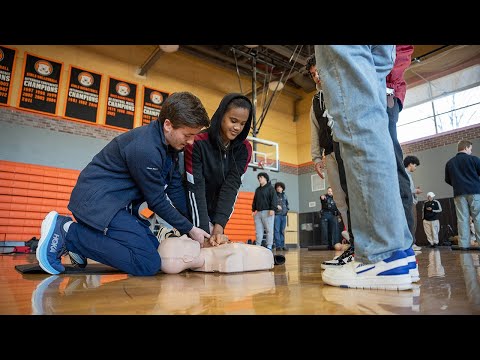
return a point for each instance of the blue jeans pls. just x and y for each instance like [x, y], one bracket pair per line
[353, 77]
[129, 245]
[403, 179]
[329, 229]
[466, 206]
[279, 230]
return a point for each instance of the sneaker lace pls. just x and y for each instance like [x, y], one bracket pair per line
[346, 253]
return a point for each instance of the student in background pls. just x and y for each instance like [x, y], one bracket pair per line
[281, 212]
[430, 215]
[462, 172]
[263, 210]
[410, 163]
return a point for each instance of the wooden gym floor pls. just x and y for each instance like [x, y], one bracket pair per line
[450, 284]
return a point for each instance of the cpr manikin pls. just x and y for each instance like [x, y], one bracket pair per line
[181, 253]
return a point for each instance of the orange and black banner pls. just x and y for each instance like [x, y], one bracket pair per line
[121, 104]
[7, 65]
[40, 83]
[83, 95]
[152, 103]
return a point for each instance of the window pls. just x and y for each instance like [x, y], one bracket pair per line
[317, 183]
[449, 112]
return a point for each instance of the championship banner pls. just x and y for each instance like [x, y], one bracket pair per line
[121, 104]
[83, 95]
[41, 79]
[152, 103]
[7, 65]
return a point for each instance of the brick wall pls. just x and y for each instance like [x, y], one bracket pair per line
[20, 117]
[445, 138]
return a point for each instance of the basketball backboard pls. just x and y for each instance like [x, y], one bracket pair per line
[264, 155]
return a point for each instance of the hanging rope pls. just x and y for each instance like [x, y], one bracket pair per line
[238, 72]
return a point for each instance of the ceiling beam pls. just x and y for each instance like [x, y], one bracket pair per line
[282, 50]
[151, 60]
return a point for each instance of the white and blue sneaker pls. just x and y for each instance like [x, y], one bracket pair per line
[412, 264]
[392, 273]
[51, 246]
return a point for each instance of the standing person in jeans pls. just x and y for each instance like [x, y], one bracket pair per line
[329, 223]
[354, 79]
[410, 163]
[396, 91]
[462, 172]
[281, 212]
[139, 165]
[263, 209]
[324, 150]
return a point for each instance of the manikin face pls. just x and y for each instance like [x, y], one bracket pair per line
[178, 138]
[233, 122]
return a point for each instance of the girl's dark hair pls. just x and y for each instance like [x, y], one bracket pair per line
[239, 103]
[281, 184]
[184, 109]
[310, 62]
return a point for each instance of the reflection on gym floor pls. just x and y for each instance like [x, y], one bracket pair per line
[449, 284]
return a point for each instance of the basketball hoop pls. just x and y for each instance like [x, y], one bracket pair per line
[260, 164]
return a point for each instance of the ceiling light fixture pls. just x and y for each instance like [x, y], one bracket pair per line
[275, 85]
[169, 48]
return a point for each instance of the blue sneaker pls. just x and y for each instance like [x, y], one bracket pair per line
[389, 274]
[412, 264]
[51, 246]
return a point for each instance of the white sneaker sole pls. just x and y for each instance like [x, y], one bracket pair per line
[395, 282]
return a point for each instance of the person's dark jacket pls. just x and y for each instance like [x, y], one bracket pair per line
[462, 172]
[434, 214]
[265, 198]
[329, 205]
[325, 139]
[282, 200]
[214, 173]
[135, 166]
